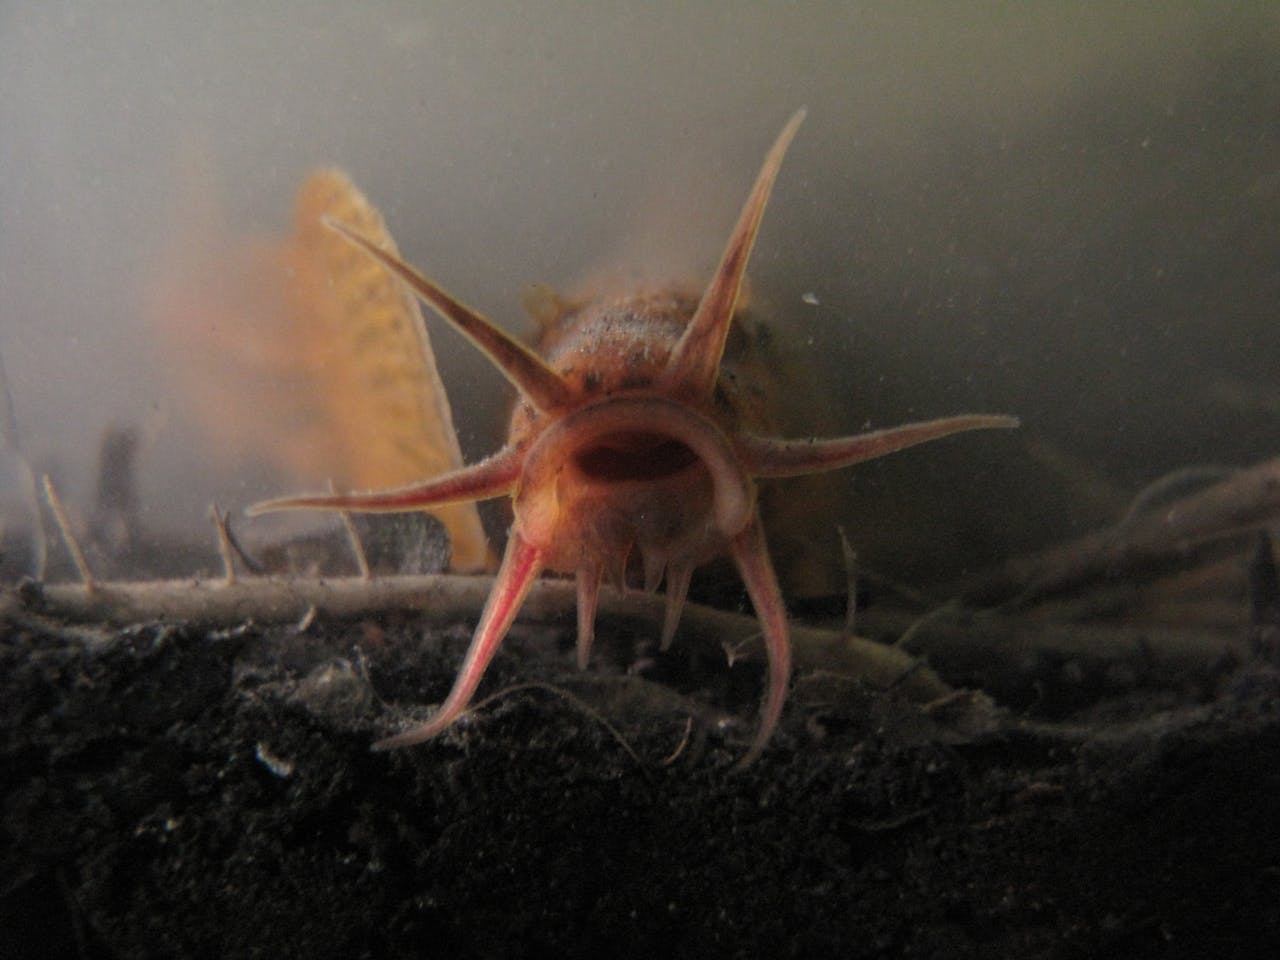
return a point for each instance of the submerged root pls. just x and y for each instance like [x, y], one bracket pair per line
[446, 598]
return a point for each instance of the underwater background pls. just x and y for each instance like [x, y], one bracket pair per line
[1069, 213]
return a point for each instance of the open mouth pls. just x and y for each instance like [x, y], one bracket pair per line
[629, 457]
[625, 439]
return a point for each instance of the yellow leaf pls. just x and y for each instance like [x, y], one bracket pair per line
[307, 353]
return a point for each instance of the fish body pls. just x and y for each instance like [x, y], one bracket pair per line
[633, 434]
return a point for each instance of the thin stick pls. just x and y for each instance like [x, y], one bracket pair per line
[448, 598]
[353, 537]
[576, 702]
[225, 548]
[308, 618]
[73, 546]
[1245, 502]
[357, 545]
[9, 434]
[246, 559]
[851, 581]
[950, 608]
[680, 747]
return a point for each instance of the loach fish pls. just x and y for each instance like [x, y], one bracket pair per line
[627, 437]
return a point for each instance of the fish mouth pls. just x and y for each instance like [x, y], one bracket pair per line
[628, 440]
[631, 457]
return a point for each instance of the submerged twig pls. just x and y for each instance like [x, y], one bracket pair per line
[950, 608]
[576, 702]
[447, 598]
[353, 538]
[1170, 488]
[672, 757]
[992, 645]
[69, 538]
[9, 433]
[357, 545]
[225, 549]
[247, 560]
[851, 582]
[1246, 501]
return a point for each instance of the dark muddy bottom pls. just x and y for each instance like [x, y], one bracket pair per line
[174, 793]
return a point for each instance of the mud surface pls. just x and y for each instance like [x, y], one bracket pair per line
[171, 792]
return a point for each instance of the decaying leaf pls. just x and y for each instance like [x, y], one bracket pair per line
[307, 354]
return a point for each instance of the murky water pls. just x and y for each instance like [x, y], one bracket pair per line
[1071, 215]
